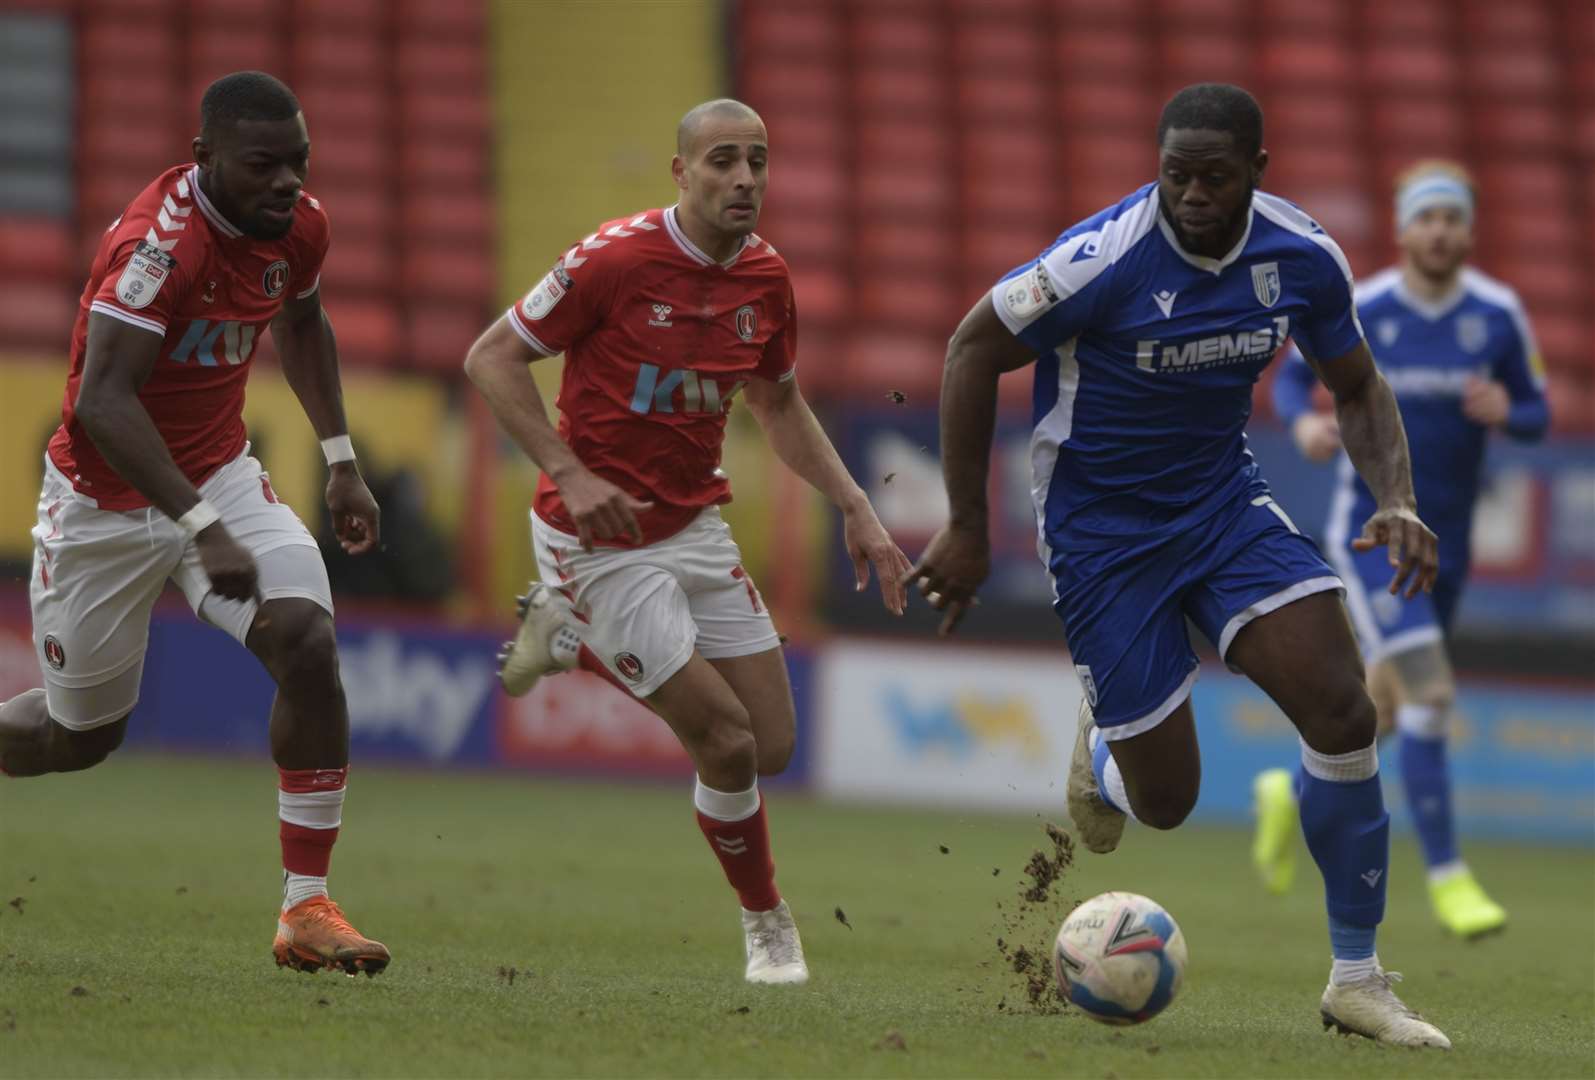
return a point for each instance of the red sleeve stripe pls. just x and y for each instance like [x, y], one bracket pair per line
[139, 321]
[526, 335]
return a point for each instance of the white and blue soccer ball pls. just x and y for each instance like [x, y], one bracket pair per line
[1119, 958]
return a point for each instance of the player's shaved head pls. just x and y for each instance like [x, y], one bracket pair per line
[699, 116]
[244, 96]
[1215, 107]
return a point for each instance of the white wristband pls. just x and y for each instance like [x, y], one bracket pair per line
[201, 516]
[338, 448]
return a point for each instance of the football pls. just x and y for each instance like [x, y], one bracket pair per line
[1119, 958]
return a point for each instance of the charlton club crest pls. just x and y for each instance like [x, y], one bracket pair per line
[747, 322]
[275, 279]
[54, 654]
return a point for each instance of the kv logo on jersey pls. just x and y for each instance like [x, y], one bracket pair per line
[656, 391]
[198, 343]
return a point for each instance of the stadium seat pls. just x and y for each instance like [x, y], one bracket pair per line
[983, 44]
[1554, 283]
[1310, 15]
[457, 218]
[464, 20]
[1499, 73]
[997, 100]
[352, 155]
[1070, 13]
[455, 114]
[1217, 14]
[1317, 114]
[1112, 56]
[139, 149]
[444, 63]
[151, 46]
[429, 163]
[367, 329]
[355, 209]
[359, 267]
[814, 182]
[908, 244]
[1522, 21]
[1190, 57]
[1298, 61]
[217, 49]
[441, 272]
[894, 189]
[1409, 21]
[37, 315]
[241, 13]
[1525, 181]
[906, 299]
[900, 92]
[805, 238]
[1108, 106]
[1118, 163]
[44, 246]
[331, 110]
[338, 16]
[813, 30]
[1522, 127]
[1564, 341]
[880, 361]
[823, 296]
[786, 83]
[900, 37]
[354, 58]
[1419, 127]
[1572, 400]
[1416, 67]
[113, 92]
[437, 337]
[1298, 166]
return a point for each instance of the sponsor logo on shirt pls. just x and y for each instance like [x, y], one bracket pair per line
[656, 389]
[661, 315]
[1218, 350]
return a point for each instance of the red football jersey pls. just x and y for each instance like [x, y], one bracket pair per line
[658, 338]
[172, 265]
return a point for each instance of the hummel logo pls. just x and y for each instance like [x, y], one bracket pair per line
[735, 845]
[1165, 302]
[661, 315]
[1372, 877]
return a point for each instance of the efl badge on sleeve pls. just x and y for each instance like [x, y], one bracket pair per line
[1265, 283]
[145, 273]
[543, 298]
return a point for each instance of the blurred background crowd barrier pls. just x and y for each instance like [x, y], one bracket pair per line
[920, 149]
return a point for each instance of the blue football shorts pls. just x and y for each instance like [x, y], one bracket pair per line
[1124, 611]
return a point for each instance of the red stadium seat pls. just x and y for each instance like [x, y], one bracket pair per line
[893, 189]
[136, 151]
[39, 249]
[1526, 182]
[217, 49]
[1211, 57]
[456, 19]
[356, 210]
[906, 244]
[1320, 114]
[241, 13]
[338, 16]
[804, 238]
[793, 84]
[1108, 106]
[457, 218]
[814, 182]
[1419, 127]
[463, 65]
[1417, 67]
[1553, 283]
[1414, 20]
[1572, 399]
[1513, 73]
[334, 109]
[455, 114]
[115, 92]
[1312, 15]
[929, 144]
[1218, 14]
[900, 297]
[982, 44]
[823, 295]
[438, 337]
[1117, 163]
[996, 100]
[880, 361]
[37, 315]
[899, 92]
[1313, 166]
[884, 36]
[356, 58]
[1306, 61]
[352, 156]
[797, 132]
[361, 267]
[431, 163]
[1071, 13]
[133, 44]
[1492, 23]
[1523, 127]
[440, 272]
[367, 329]
[814, 30]
[1113, 56]
[1564, 341]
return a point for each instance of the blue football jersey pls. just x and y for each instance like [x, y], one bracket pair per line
[1428, 352]
[1147, 357]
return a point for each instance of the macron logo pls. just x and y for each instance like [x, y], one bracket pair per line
[1372, 877]
[1165, 302]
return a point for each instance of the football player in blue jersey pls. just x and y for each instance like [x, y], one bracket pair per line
[1148, 324]
[1457, 350]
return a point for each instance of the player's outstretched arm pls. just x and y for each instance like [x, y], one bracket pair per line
[959, 556]
[1376, 442]
[499, 365]
[117, 362]
[1316, 434]
[800, 442]
[309, 354]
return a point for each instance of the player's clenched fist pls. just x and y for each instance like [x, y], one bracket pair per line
[228, 565]
[600, 510]
[356, 517]
[1414, 549]
[952, 568]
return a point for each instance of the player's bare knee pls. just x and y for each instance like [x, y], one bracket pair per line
[299, 647]
[728, 751]
[1346, 721]
[775, 753]
[1164, 807]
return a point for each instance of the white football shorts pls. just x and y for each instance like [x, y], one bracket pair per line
[644, 610]
[97, 573]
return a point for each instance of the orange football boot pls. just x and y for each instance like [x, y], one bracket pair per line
[313, 934]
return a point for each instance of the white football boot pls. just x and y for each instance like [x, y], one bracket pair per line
[775, 952]
[547, 642]
[1099, 824]
[1369, 1007]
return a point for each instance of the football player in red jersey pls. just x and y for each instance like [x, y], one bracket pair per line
[664, 317]
[149, 477]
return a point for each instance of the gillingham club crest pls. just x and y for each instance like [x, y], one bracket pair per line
[1265, 283]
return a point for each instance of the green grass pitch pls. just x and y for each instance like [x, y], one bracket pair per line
[140, 942]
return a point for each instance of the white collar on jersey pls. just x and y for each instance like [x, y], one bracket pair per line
[1433, 310]
[1202, 262]
[680, 237]
[206, 207]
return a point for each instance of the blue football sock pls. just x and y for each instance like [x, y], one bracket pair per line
[1348, 832]
[1428, 781]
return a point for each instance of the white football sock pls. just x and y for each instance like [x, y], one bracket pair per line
[297, 888]
[1342, 972]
